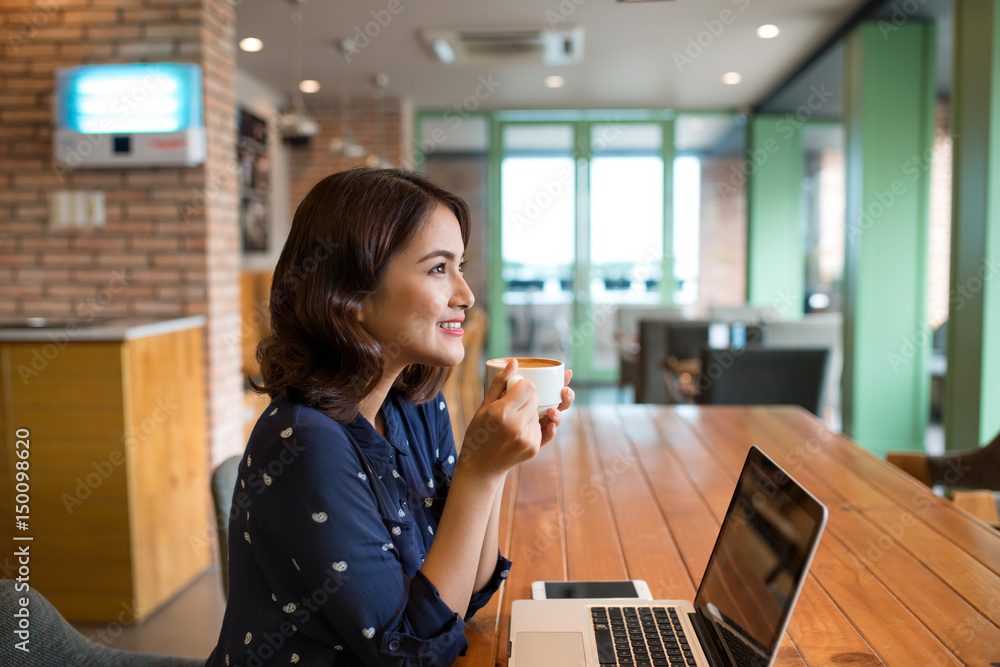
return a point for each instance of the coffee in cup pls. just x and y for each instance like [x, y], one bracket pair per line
[548, 376]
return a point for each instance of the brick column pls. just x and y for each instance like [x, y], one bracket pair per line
[170, 246]
[311, 163]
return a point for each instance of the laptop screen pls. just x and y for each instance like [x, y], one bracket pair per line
[760, 559]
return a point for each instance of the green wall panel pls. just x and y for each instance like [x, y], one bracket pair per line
[972, 395]
[889, 102]
[775, 243]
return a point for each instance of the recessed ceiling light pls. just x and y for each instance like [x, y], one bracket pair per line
[554, 81]
[309, 86]
[444, 51]
[731, 78]
[767, 31]
[251, 44]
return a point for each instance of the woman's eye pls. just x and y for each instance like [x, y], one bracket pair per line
[461, 267]
[439, 268]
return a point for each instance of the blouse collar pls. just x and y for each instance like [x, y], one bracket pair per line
[372, 441]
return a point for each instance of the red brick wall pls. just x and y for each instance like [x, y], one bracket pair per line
[722, 256]
[313, 162]
[170, 245]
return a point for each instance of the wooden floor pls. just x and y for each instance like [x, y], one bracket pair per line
[188, 625]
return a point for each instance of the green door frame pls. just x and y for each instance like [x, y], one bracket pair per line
[585, 319]
[498, 339]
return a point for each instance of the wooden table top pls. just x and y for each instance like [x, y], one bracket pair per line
[902, 577]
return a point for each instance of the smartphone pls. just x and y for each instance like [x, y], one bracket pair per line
[552, 590]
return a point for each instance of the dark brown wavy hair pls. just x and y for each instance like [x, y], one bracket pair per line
[344, 235]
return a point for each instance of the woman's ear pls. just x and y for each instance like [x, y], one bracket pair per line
[359, 310]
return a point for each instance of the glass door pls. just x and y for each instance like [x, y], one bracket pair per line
[584, 217]
[538, 215]
[626, 231]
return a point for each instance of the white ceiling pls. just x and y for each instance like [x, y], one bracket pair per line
[629, 50]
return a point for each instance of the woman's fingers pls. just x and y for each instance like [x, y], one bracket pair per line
[499, 383]
[568, 396]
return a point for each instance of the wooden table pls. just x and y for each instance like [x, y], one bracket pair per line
[902, 577]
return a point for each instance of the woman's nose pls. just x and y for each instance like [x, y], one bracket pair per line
[463, 295]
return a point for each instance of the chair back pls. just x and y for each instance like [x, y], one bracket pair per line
[53, 641]
[475, 326]
[763, 376]
[223, 484]
[815, 330]
[659, 340]
[464, 389]
[977, 468]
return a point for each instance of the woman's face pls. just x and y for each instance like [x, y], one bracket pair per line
[417, 312]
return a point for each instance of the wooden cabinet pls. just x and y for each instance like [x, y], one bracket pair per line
[119, 494]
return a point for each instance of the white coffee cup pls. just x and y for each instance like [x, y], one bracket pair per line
[548, 376]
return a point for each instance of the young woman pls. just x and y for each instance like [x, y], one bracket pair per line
[360, 535]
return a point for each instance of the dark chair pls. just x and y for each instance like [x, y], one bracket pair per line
[53, 641]
[977, 468]
[659, 340]
[762, 376]
[223, 484]
[662, 341]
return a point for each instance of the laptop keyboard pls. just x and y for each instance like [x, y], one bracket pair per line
[640, 637]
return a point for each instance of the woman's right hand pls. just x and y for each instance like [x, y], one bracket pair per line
[505, 430]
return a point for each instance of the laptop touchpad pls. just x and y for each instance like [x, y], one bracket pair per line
[544, 649]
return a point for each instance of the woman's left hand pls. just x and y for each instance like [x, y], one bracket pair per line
[553, 417]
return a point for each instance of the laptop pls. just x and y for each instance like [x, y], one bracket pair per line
[758, 565]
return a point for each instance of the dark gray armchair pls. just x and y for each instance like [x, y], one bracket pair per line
[223, 485]
[53, 641]
[763, 376]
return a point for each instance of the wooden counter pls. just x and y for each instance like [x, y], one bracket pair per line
[119, 494]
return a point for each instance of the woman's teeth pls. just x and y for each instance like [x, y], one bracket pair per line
[450, 325]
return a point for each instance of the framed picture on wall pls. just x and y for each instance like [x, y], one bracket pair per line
[255, 182]
[254, 224]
